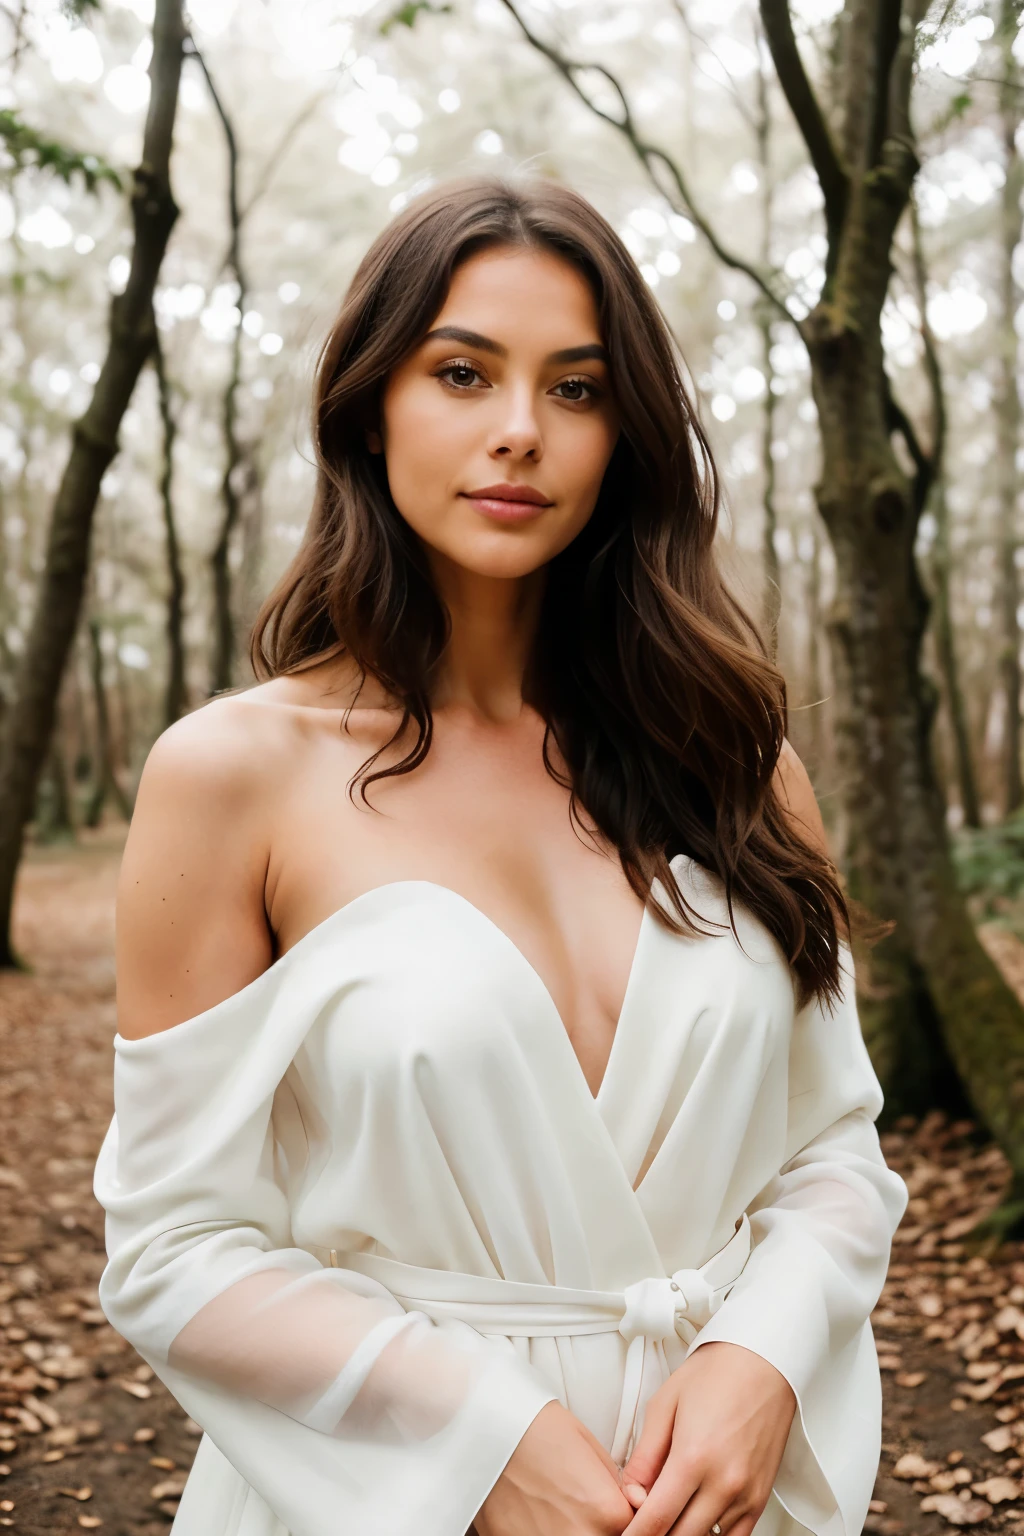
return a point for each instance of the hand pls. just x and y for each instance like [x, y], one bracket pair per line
[711, 1444]
[559, 1481]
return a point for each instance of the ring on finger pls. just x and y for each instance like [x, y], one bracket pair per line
[716, 1529]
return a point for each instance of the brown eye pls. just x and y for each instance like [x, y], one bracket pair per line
[459, 375]
[582, 389]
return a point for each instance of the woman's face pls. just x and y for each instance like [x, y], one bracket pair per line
[498, 428]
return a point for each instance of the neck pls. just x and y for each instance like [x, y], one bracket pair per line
[493, 625]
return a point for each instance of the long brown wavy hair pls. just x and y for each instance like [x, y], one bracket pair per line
[653, 682]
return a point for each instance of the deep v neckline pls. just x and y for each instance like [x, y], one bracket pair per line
[552, 1007]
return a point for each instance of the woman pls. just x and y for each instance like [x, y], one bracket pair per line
[494, 1137]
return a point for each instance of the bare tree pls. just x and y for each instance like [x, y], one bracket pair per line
[1007, 403]
[941, 562]
[175, 693]
[239, 484]
[29, 721]
[938, 1016]
[105, 781]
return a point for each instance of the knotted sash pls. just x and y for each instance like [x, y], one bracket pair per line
[646, 1313]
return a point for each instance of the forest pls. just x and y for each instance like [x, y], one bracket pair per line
[825, 198]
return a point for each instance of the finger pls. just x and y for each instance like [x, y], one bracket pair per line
[710, 1505]
[670, 1493]
[736, 1520]
[602, 1452]
[652, 1446]
[735, 1523]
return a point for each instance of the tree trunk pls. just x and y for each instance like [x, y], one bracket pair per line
[937, 1013]
[941, 562]
[945, 645]
[772, 602]
[30, 720]
[1008, 409]
[238, 479]
[105, 781]
[53, 818]
[175, 693]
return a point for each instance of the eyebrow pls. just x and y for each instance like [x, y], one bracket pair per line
[582, 354]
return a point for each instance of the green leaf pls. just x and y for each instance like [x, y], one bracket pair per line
[79, 10]
[28, 148]
[407, 15]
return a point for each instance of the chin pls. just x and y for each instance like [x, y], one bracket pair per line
[509, 564]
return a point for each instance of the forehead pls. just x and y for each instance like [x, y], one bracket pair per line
[526, 294]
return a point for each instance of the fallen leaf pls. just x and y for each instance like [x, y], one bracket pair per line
[930, 1306]
[89, 1522]
[997, 1489]
[170, 1488]
[144, 1435]
[49, 1416]
[912, 1465]
[911, 1378]
[999, 1439]
[162, 1463]
[135, 1388]
[981, 1370]
[878, 1506]
[983, 1391]
[81, 1494]
[956, 1511]
[64, 1369]
[53, 1456]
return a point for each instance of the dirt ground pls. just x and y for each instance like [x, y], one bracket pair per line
[89, 1440]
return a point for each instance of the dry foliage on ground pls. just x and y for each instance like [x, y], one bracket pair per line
[89, 1440]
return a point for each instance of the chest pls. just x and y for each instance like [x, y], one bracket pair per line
[483, 817]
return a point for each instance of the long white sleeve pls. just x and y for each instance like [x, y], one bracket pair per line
[342, 1410]
[822, 1230]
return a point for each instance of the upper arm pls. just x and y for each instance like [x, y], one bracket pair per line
[191, 922]
[796, 797]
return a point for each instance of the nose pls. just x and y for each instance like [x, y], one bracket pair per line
[516, 433]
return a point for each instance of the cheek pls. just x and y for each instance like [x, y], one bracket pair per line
[421, 441]
[585, 456]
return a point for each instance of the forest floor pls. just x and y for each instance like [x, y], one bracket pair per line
[89, 1440]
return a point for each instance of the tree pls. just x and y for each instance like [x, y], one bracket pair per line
[938, 1016]
[176, 691]
[29, 721]
[239, 478]
[1007, 401]
[945, 635]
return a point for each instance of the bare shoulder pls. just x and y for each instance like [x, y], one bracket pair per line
[191, 923]
[796, 796]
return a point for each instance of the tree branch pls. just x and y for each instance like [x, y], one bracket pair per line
[677, 193]
[901, 73]
[778, 27]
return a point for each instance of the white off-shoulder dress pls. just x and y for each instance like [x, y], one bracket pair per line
[365, 1217]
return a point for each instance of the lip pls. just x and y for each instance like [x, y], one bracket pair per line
[508, 503]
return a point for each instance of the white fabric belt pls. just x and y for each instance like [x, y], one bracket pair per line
[646, 1313]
